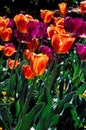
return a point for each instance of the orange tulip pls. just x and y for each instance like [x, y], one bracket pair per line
[82, 6]
[28, 73]
[3, 23]
[6, 34]
[12, 63]
[58, 21]
[62, 43]
[62, 9]
[9, 50]
[32, 46]
[51, 31]
[1, 47]
[60, 29]
[27, 54]
[38, 63]
[47, 15]
[21, 21]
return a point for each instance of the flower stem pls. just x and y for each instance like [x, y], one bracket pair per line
[28, 98]
[16, 57]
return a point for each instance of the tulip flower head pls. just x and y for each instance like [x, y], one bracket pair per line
[12, 63]
[47, 15]
[81, 51]
[9, 49]
[38, 63]
[82, 6]
[62, 9]
[62, 43]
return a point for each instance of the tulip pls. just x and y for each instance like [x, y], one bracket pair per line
[12, 63]
[32, 46]
[47, 15]
[62, 9]
[27, 54]
[9, 49]
[62, 43]
[82, 6]
[27, 71]
[51, 31]
[38, 63]
[75, 26]
[3, 23]
[6, 34]
[21, 22]
[32, 30]
[46, 50]
[58, 21]
[1, 47]
[81, 51]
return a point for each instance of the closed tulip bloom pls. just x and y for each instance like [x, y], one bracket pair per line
[62, 9]
[38, 63]
[81, 51]
[11, 23]
[62, 43]
[12, 63]
[27, 71]
[47, 15]
[1, 47]
[3, 23]
[58, 21]
[82, 6]
[46, 50]
[27, 54]
[60, 29]
[51, 31]
[75, 26]
[32, 46]
[6, 34]
[9, 49]
[21, 22]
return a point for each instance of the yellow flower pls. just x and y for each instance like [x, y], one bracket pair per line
[84, 126]
[4, 93]
[82, 95]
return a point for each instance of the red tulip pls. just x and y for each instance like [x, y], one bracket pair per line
[27, 71]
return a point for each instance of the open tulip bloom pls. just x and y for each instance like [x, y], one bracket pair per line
[43, 71]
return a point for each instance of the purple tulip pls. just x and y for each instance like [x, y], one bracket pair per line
[42, 29]
[21, 37]
[46, 50]
[32, 29]
[36, 29]
[75, 26]
[81, 51]
[11, 23]
[9, 44]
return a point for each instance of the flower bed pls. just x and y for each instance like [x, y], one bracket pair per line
[42, 70]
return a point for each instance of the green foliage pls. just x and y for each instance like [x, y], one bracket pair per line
[56, 99]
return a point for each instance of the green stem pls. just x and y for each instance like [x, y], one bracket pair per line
[24, 110]
[53, 76]
[16, 57]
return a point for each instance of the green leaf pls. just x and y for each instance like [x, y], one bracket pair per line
[45, 119]
[75, 117]
[17, 108]
[29, 117]
[12, 84]
[67, 98]
[81, 89]
[55, 120]
[83, 67]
